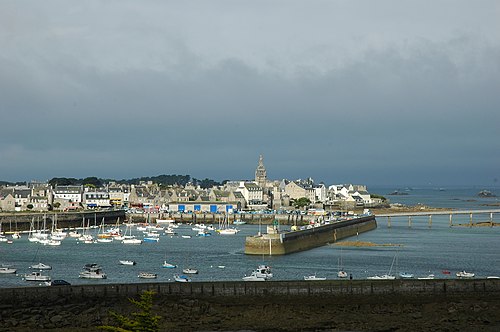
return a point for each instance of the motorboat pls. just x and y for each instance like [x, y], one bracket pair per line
[147, 275]
[190, 271]
[262, 272]
[445, 272]
[131, 241]
[41, 266]
[186, 236]
[7, 270]
[313, 277]
[36, 276]
[204, 232]
[170, 231]
[427, 277]
[16, 235]
[151, 239]
[405, 275]
[168, 265]
[463, 274]
[105, 240]
[382, 277]
[342, 274]
[127, 262]
[181, 278]
[92, 271]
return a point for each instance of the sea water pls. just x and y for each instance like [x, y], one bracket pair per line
[418, 249]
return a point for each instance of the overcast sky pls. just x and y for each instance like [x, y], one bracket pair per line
[374, 92]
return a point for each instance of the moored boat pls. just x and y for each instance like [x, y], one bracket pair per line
[41, 266]
[147, 275]
[463, 274]
[36, 276]
[127, 262]
[168, 265]
[7, 270]
[190, 271]
[181, 278]
[405, 275]
[313, 277]
[92, 271]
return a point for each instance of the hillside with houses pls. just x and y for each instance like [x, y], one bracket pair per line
[260, 194]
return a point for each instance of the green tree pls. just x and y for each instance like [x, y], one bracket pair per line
[143, 320]
[301, 202]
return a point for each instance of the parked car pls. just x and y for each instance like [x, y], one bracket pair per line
[59, 282]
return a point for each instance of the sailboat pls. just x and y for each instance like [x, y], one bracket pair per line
[341, 273]
[224, 227]
[130, 239]
[387, 276]
[102, 236]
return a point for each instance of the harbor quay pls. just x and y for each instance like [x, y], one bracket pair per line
[360, 305]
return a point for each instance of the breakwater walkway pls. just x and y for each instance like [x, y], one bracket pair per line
[490, 213]
[361, 305]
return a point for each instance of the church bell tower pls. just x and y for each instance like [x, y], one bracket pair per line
[260, 173]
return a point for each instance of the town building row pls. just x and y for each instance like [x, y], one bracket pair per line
[257, 195]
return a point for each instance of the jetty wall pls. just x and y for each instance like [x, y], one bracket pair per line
[289, 242]
[21, 221]
[361, 305]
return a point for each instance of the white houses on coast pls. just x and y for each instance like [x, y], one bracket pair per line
[258, 194]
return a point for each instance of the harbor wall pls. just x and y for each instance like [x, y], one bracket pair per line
[285, 243]
[362, 305]
[21, 221]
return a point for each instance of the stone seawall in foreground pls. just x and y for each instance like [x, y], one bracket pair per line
[360, 305]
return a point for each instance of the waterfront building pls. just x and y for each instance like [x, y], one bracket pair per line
[68, 193]
[96, 199]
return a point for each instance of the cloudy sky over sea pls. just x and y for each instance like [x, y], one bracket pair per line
[375, 92]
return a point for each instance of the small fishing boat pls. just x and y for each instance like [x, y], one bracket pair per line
[36, 276]
[147, 275]
[168, 265]
[463, 274]
[181, 278]
[445, 272]
[190, 271]
[127, 262]
[41, 266]
[186, 236]
[7, 270]
[427, 277]
[92, 271]
[313, 277]
[405, 275]
[151, 239]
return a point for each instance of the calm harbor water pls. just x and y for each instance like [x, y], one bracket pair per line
[421, 250]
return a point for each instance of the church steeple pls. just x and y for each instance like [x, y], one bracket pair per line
[260, 173]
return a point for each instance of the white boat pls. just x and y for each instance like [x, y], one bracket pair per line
[239, 222]
[170, 231]
[341, 273]
[253, 277]
[168, 265]
[262, 272]
[16, 235]
[92, 271]
[127, 262]
[131, 241]
[165, 221]
[313, 277]
[151, 239]
[427, 277]
[147, 275]
[382, 277]
[463, 274]
[105, 240]
[190, 271]
[228, 231]
[404, 275]
[41, 266]
[36, 276]
[181, 278]
[7, 270]
[186, 236]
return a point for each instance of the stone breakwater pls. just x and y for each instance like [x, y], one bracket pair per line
[21, 221]
[361, 305]
[289, 242]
